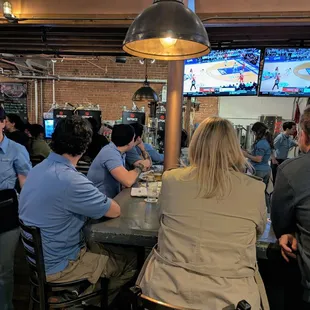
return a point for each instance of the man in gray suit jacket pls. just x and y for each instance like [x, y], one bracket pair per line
[290, 209]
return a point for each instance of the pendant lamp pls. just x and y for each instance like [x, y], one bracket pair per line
[167, 30]
[146, 92]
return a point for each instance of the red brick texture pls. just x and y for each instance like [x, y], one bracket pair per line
[111, 96]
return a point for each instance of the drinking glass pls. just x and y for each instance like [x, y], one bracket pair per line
[151, 192]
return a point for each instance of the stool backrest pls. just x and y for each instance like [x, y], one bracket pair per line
[8, 210]
[31, 238]
[82, 167]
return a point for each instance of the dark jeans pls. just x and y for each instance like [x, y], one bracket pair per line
[8, 243]
[274, 168]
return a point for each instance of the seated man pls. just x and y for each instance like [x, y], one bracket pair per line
[157, 158]
[97, 143]
[58, 199]
[39, 147]
[138, 154]
[107, 171]
[14, 166]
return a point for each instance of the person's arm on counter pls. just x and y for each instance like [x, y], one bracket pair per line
[134, 159]
[125, 177]
[85, 199]
[154, 154]
[147, 161]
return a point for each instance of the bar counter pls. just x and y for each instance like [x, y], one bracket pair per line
[138, 226]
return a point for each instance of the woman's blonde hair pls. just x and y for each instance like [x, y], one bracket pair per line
[213, 152]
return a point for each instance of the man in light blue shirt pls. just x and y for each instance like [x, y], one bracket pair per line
[108, 171]
[58, 199]
[138, 154]
[14, 164]
[282, 144]
[156, 157]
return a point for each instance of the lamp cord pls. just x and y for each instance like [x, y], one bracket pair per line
[145, 70]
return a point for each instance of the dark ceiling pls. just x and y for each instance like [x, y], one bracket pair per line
[25, 39]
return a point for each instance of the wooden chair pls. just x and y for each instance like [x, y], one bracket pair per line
[54, 295]
[140, 301]
[83, 167]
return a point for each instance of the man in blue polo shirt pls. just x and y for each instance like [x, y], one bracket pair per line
[58, 199]
[108, 170]
[282, 144]
[138, 154]
[14, 165]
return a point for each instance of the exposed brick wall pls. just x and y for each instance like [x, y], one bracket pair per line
[111, 96]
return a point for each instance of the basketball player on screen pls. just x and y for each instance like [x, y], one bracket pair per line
[235, 67]
[276, 82]
[241, 78]
[193, 82]
[225, 59]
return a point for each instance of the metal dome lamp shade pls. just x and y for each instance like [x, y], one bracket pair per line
[167, 30]
[145, 93]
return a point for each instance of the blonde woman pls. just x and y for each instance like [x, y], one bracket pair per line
[211, 215]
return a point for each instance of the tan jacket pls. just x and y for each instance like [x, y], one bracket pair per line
[206, 254]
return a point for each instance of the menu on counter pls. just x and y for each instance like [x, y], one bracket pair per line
[14, 99]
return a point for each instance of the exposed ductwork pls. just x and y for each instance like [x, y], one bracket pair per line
[29, 65]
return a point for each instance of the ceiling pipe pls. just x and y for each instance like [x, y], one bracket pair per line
[85, 79]
[259, 17]
[36, 101]
[54, 89]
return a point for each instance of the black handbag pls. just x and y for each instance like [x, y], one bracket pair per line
[8, 210]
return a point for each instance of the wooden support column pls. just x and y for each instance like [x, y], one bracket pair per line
[173, 126]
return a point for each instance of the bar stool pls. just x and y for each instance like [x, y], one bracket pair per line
[140, 301]
[83, 167]
[63, 294]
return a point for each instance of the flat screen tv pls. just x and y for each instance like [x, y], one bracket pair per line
[48, 125]
[228, 72]
[286, 72]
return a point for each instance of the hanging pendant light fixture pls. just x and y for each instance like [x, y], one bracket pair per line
[146, 92]
[167, 30]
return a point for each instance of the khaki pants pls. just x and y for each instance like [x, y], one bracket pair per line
[117, 264]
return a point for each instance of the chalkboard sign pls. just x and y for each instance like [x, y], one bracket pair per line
[14, 98]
